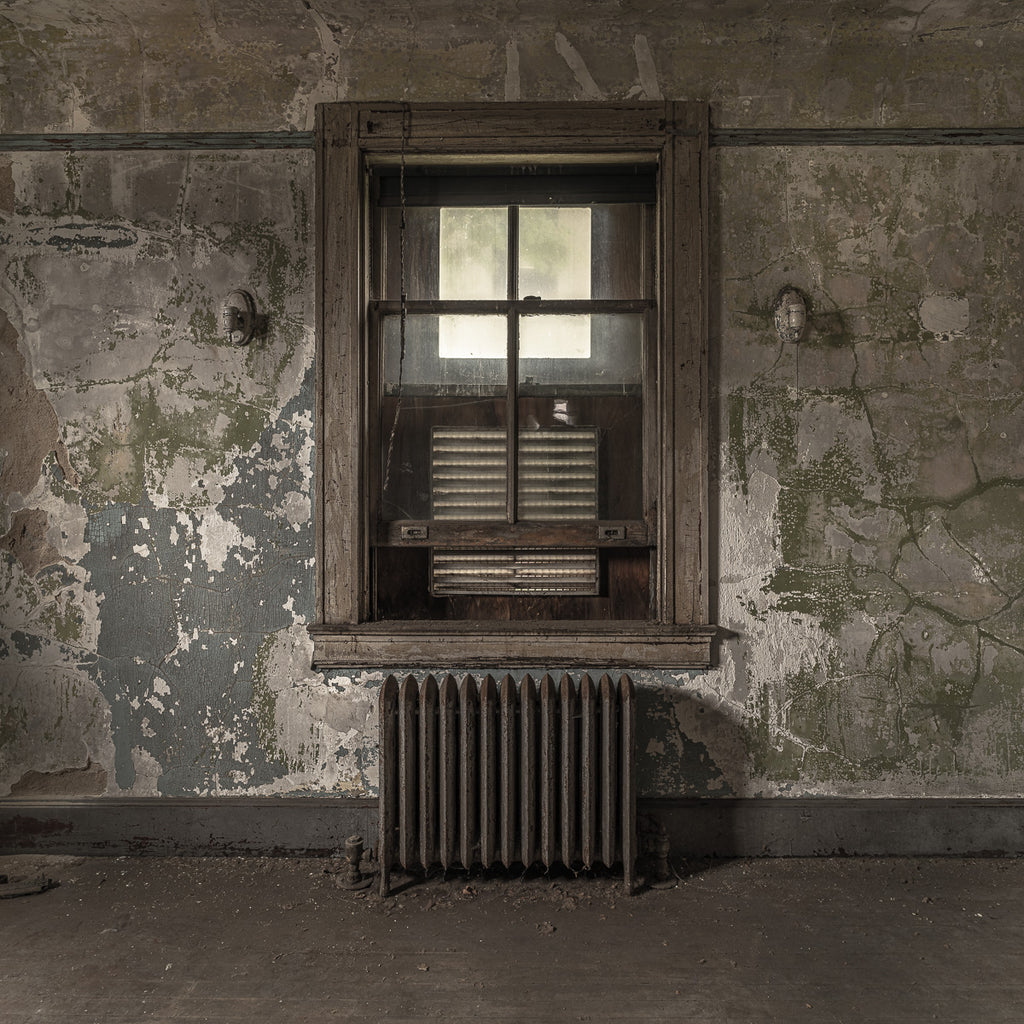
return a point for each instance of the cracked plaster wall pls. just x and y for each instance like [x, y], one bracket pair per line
[155, 482]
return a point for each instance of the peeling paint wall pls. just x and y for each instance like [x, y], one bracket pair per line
[155, 537]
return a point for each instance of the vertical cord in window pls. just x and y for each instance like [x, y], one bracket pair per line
[402, 298]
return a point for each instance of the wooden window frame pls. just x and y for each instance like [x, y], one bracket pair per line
[350, 137]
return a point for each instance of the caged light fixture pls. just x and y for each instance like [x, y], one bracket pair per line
[790, 313]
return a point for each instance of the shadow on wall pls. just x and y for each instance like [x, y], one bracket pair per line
[692, 765]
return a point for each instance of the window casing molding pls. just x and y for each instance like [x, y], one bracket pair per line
[351, 138]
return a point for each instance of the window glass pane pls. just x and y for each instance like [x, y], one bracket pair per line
[594, 354]
[580, 458]
[473, 248]
[554, 337]
[442, 457]
[433, 364]
[472, 337]
[554, 252]
[581, 426]
[422, 225]
[423, 394]
[619, 255]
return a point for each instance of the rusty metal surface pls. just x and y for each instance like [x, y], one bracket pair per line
[588, 767]
[627, 772]
[469, 715]
[548, 771]
[428, 771]
[527, 770]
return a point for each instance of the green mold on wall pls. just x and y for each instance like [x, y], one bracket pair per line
[64, 621]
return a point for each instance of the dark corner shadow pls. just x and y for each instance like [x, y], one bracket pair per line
[692, 767]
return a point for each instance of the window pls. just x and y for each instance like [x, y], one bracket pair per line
[511, 408]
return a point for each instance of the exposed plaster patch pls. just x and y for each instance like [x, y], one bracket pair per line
[945, 315]
[88, 781]
[578, 66]
[296, 508]
[646, 69]
[147, 773]
[323, 730]
[28, 422]
[217, 536]
[329, 84]
[53, 718]
[512, 84]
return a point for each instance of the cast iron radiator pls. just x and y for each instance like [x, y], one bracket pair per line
[486, 774]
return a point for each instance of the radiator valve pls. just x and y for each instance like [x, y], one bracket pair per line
[351, 877]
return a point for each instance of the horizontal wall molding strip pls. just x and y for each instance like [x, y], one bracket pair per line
[719, 137]
[317, 826]
[63, 141]
[732, 137]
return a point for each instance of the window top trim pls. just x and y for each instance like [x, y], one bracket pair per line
[543, 127]
[501, 184]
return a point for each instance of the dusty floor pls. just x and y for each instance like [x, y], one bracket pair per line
[250, 940]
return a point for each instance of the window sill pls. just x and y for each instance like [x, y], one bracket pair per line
[500, 645]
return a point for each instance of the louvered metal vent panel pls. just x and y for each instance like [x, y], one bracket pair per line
[557, 474]
[468, 470]
[514, 571]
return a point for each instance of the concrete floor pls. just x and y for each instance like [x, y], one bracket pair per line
[275, 940]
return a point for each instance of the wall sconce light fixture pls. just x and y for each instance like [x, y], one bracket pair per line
[238, 317]
[790, 314]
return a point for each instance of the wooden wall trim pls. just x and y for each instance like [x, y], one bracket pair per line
[318, 826]
[718, 138]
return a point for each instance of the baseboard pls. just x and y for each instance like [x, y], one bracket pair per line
[826, 827]
[317, 826]
[166, 826]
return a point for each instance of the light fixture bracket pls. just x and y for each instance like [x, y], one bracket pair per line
[238, 317]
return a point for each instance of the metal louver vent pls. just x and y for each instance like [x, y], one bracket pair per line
[557, 481]
[557, 474]
[467, 473]
[535, 572]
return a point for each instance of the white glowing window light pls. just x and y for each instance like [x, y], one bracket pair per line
[554, 263]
